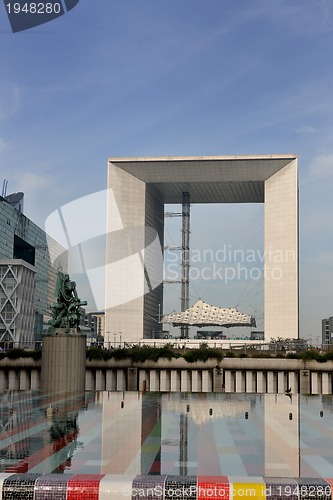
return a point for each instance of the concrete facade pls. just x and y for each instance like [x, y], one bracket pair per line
[138, 190]
[248, 375]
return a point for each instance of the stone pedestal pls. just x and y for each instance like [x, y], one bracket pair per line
[63, 361]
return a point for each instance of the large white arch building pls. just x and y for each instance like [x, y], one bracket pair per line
[138, 190]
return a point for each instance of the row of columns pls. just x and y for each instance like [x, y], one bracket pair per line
[176, 380]
[109, 380]
[15, 380]
[260, 381]
[184, 381]
[321, 383]
[207, 381]
[150, 380]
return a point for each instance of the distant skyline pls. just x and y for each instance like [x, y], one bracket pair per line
[178, 78]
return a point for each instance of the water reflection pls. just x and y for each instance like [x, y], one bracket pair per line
[63, 432]
[173, 434]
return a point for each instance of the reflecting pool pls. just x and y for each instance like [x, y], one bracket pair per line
[174, 434]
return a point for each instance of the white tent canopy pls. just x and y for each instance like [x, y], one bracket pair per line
[202, 314]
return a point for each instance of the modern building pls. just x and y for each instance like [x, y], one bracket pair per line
[257, 335]
[93, 324]
[327, 331]
[138, 190]
[27, 277]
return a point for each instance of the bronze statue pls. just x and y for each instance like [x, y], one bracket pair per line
[66, 311]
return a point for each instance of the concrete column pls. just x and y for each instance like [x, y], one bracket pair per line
[111, 382]
[320, 383]
[260, 383]
[35, 380]
[143, 382]
[205, 381]
[90, 380]
[24, 380]
[147, 379]
[175, 381]
[217, 379]
[165, 383]
[200, 380]
[326, 383]
[240, 382]
[281, 383]
[304, 381]
[121, 380]
[3, 380]
[293, 382]
[228, 386]
[270, 382]
[315, 383]
[184, 382]
[189, 380]
[100, 380]
[13, 380]
[132, 379]
[63, 361]
[195, 381]
[154, 380]
[249, 381]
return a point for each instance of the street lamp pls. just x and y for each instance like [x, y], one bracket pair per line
[114, 342]
[120, 338]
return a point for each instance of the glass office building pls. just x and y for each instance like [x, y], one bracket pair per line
[27, 276]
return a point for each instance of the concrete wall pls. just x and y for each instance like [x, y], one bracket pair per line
[230, 375]
[124, 257]
[281, 254]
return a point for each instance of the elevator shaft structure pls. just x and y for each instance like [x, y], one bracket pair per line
[185, 284]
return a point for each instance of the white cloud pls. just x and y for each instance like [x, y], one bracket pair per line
[9, 100]
[321, 167]
[3, 145]
[31, 182]
[43, 193]
[306, 129]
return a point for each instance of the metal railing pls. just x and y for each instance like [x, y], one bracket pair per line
[32, 345]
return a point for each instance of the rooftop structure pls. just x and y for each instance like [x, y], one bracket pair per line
[202, 314]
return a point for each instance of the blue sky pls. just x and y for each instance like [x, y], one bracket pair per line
[153, 78]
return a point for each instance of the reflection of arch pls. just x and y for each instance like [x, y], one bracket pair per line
[198, 408]
[142, 186]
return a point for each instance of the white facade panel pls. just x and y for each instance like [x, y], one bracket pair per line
[281, 254]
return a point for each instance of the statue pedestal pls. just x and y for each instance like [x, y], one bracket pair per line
[63, 366]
